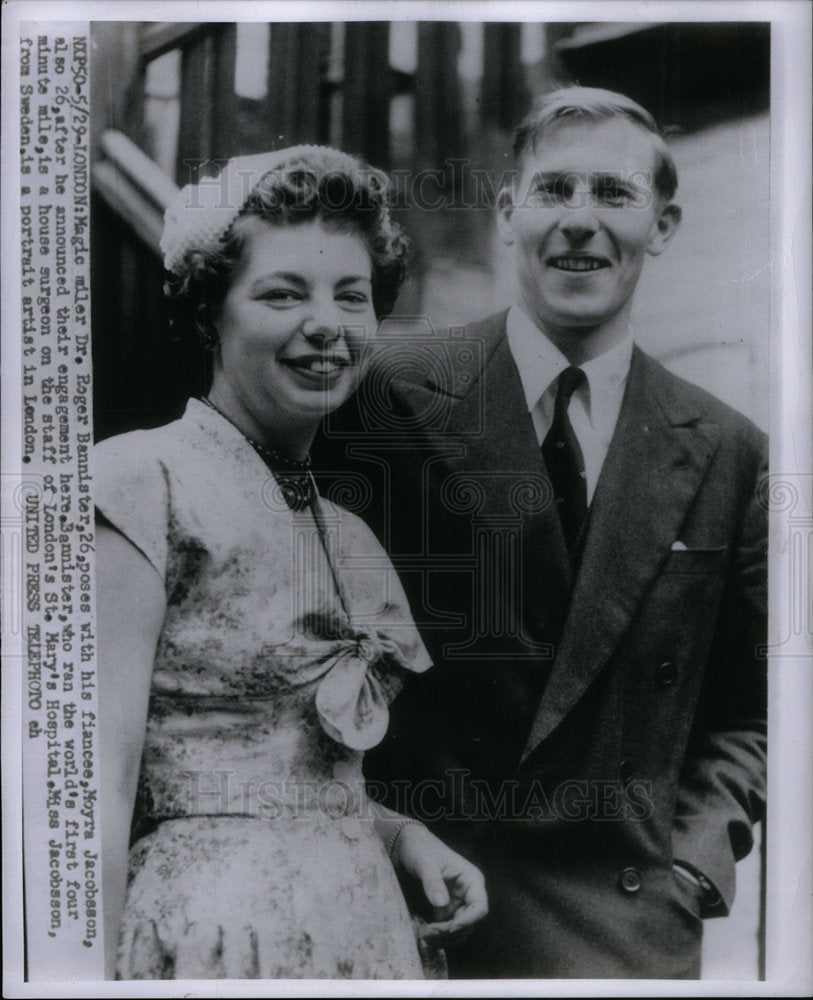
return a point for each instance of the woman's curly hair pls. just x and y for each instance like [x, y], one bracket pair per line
[322, 184]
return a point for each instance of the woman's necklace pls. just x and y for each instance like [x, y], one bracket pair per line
[294, 476]
[298, 489]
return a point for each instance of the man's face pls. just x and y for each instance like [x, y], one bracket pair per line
[582, 217]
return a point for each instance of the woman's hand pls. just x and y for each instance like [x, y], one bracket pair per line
[454, 888]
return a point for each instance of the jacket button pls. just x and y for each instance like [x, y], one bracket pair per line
[667, 673]
[626, 771]
[630, 880]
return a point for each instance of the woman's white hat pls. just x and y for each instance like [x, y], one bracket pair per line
[200, 214]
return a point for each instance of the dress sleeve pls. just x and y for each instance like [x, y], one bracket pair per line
[132, 494]
[396, 622]
[379, 645]
[374, 594]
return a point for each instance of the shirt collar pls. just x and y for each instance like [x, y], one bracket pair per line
[540, 363]
[607, 379]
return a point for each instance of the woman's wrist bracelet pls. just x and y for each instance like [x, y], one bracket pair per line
[392, 839]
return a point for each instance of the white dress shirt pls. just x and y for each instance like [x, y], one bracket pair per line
[594, 406]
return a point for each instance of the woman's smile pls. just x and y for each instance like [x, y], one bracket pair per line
[319, 367]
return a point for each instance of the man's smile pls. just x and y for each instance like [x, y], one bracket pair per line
[577, 262]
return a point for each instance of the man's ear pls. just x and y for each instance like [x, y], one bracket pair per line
[505, 214]
[664, 228]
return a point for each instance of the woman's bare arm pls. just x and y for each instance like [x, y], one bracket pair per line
[130, 606]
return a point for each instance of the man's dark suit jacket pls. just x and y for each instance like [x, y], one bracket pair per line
[590, 716]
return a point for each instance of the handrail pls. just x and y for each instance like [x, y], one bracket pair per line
[602, 31]
[133, 186]
[139, 168]
[161, 36]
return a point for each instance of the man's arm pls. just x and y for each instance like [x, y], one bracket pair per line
[722, 788]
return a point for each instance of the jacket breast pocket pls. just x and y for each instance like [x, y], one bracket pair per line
[693, 562]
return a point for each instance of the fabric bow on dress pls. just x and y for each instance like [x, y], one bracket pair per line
[353, 697]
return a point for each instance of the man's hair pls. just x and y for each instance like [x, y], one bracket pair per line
[569, 104]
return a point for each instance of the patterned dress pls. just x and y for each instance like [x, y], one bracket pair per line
[286, 636]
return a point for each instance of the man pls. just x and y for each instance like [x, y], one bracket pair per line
[584, 548]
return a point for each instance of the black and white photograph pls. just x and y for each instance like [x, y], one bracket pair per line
[407, 499]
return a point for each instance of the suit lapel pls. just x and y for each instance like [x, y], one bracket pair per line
[518, 486]
[499, 453]
[654, 467]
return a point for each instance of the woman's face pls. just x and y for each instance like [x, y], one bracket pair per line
[292, 324]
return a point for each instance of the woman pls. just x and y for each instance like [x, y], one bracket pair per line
[252, 634]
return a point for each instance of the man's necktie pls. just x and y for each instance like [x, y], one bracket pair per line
[564, 459]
